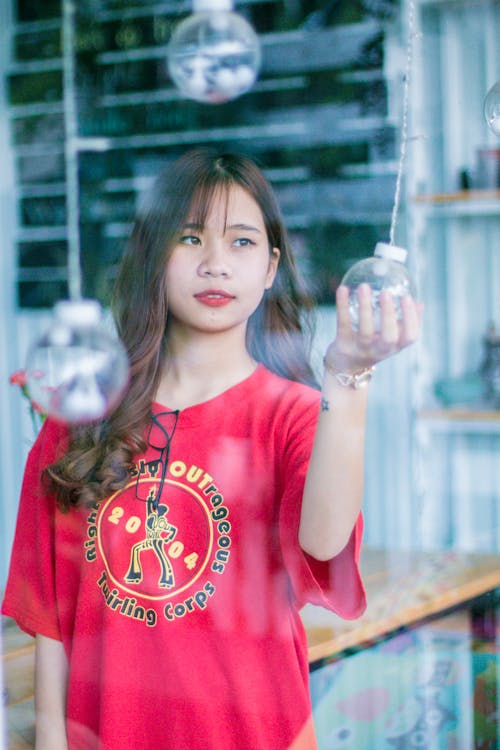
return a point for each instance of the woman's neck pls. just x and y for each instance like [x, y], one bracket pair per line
[202, 368]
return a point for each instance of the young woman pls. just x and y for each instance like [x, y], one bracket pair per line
[162, 556]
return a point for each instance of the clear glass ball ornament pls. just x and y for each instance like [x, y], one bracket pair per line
[77, 371]
[492, 108]
[385, 270]
[214, 55]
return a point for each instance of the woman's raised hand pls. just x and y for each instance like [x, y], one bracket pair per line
[353, 350]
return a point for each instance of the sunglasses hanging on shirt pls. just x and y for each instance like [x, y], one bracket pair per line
[160, 436]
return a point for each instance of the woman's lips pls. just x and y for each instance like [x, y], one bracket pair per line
[214, 297]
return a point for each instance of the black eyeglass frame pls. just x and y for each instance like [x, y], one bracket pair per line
[163, 459]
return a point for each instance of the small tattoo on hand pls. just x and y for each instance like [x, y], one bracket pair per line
[325, 405]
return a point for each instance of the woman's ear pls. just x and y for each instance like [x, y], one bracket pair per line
[274, 260]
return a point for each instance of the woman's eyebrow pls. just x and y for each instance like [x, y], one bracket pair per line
[192, 225]
[239, 226]
[245, 227]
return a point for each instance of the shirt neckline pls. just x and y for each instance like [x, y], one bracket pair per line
[213, 405]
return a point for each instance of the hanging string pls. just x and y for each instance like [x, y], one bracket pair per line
[70, 151]
[404, 122]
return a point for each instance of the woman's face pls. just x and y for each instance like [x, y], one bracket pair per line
[217, 274]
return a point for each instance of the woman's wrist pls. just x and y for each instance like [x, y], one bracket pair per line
[349, 378]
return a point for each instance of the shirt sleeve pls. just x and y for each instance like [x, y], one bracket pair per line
[334, 584]
[30, 592]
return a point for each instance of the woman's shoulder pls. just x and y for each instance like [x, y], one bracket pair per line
[52, 440]
[287, 412]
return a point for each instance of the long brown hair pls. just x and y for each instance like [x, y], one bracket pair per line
[99, 458]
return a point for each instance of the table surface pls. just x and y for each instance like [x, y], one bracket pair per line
[403, 587]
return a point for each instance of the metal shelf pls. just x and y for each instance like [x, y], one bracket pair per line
[42, 274]
[42, 234]
[39, 65]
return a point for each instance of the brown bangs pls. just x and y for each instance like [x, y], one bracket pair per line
[213, 189]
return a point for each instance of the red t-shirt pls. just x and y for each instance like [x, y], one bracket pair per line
[177, 598]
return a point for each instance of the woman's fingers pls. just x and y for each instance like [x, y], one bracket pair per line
[375, 339]
[412, 316]
[343, 318]
[366, 324]
[389, 324]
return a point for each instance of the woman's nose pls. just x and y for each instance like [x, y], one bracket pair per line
[215, 262]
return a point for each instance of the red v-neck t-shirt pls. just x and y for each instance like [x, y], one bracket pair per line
[177, 598]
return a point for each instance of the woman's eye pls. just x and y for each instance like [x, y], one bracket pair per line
[189, 239]
[243, 242]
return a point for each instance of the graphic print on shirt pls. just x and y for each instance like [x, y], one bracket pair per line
[158, 533]
[160, 544]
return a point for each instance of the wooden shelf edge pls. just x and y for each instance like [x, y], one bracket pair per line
[461, 414]
[459, 195]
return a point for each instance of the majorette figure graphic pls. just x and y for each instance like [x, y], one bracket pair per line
[158, 532]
